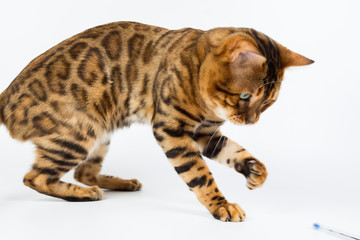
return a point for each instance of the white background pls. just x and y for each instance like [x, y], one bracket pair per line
[309, 140]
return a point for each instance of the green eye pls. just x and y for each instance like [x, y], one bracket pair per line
[244, 96]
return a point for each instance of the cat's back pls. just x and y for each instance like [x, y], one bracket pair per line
[113, 41]
[92, 53]
[75, 75]
[92, 76]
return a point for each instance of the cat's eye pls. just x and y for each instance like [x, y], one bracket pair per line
[245, 96]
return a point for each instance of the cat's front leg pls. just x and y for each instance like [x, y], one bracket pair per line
[216, 146]
[183, 153]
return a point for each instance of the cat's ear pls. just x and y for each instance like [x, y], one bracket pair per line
[292, 59]
[243, 58]
[239, 50]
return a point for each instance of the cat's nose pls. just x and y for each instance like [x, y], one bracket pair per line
[251, 119]
[247, 121]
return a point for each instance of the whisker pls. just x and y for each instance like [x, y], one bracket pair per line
[211, 139]
[212, 154]
[268, 83]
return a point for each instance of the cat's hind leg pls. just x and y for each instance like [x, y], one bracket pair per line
[54, 158]
[88, 172]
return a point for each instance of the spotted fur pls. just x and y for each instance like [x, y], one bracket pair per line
[185, 83]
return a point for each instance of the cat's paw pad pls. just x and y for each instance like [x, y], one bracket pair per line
[229, 212]
[254, 171]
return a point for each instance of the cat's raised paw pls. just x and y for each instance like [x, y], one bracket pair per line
[229, 212]
[254, 171]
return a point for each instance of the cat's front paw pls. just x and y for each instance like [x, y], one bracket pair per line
[254, 171]
[229, 212]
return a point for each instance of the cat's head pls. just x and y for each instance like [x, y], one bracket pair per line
[241, 75]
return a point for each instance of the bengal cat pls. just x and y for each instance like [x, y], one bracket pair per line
[186, 83]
